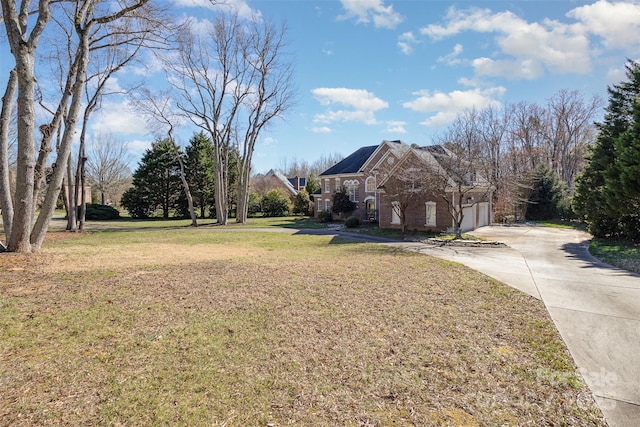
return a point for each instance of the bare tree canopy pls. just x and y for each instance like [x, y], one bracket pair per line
[85, 27]
[232, 81]
[108, 167]
[508, 145]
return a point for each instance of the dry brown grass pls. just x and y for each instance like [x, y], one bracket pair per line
[207, 328]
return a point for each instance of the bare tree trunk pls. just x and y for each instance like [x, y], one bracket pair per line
[243, 191]
[64, 151]
[71, 196]
[221, 187]
[25, 167]
[6, 201]
[185, 186]
[83, 201]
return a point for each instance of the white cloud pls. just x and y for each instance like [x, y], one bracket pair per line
[452, 57]
[120, 118]
[617, 23]
[523, 69]
[241, 6]
[321, 129]
[406, 42]
[267, 141]
[150, 65]
[138, 146]
[366, 117]
[527, 48]
[360, 99]
[366, 11]
[362, 105]
[616, 75]
[395, 127]
[447, 106]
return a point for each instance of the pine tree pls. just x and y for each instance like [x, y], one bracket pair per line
[156, 182]
[199, 165]
[601, 198]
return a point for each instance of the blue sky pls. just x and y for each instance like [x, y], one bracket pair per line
[368, 70]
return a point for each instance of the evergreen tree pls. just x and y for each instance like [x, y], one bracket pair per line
[301, 203]
[312, 185]
[341, 203]
[199, 170]
[602, 199]
[156, 182]
[548, 197]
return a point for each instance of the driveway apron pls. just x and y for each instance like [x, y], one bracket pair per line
[595, 307]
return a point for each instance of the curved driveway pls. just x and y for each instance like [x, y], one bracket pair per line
[595, 307]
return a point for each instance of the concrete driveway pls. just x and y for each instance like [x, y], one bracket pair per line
[595, 307]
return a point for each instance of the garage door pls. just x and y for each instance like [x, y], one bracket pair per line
[483, 214]
[468, 219]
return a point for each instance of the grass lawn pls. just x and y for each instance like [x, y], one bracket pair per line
[625, 255]
[205, 328]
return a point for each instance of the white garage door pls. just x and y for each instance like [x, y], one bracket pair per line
[468, 219]
[483, 214]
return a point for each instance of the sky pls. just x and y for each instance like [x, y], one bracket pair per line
[370, 70]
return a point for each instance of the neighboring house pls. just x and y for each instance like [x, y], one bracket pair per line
[298, 183]
[365, 174]
[272, 180]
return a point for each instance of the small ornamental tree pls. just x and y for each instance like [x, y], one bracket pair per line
[341, 203]
[301, 203]
[275, 203]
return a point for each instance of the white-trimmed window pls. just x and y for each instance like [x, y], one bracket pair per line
[337, 184]
[395, 213]
[370, 185]
[327, 186]
[352, 187]
[327, 204]
[430, 214]
[320, 205]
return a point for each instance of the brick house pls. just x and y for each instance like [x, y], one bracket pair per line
[368, 176]
[358, 173]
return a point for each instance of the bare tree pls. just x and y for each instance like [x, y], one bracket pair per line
[107, 166]
[23, 40]
[95, 23]
[232, 82]
[6, 203]
[325, 162]
[456, 177]
[405, 183]
[158, 111]
[569, 130]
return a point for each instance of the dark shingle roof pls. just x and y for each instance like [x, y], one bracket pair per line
[352, 163]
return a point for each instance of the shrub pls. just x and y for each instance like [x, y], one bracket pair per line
[100, 212]
[352, 222]
[274, 203]
[325, 216]
[301, 203]
[253, 204]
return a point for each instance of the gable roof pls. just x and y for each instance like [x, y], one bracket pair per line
[351, 163]
[283, 179]
[359, 159]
